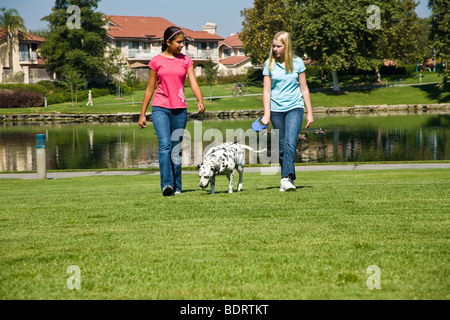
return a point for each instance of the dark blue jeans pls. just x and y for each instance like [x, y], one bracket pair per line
[288, 124]
[169, 126]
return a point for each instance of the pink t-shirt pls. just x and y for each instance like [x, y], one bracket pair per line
[170, 77]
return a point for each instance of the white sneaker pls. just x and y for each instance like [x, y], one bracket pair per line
[286, 185]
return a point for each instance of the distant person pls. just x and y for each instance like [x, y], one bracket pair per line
[285, 95]
[169, 110]
[90, 99]
[239, 87]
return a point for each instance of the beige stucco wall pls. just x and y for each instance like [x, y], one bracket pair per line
[4, 55]
[236, 70]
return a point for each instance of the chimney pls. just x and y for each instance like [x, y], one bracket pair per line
[210, 27]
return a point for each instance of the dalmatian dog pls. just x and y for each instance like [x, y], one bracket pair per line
[223, 160]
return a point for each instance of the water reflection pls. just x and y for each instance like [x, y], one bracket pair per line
[124, 145]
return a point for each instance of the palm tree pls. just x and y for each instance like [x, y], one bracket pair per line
[11, 22]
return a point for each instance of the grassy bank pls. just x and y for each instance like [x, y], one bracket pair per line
[316, 243]
[425, 94]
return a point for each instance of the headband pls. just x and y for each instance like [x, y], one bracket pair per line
[173, 35]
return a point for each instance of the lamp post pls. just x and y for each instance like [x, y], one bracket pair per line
[41, 158]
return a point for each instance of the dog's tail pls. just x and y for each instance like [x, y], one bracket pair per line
[251, 149]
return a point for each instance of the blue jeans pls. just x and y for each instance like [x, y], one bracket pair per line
[289, 124]
[169, 126]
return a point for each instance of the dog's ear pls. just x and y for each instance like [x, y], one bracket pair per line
[198, 166]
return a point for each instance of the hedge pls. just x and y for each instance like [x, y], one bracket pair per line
[82, 95]
[20, 99]
[38, 88]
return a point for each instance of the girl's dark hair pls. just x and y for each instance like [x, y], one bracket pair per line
[168, 34]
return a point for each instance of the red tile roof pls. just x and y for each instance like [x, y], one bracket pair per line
[234, 60]
[232, 41]
[30, 37]
[200, 35]
[149, 27]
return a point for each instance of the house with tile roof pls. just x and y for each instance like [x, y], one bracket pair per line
[25, 58]
[232, 58]
[139, 40]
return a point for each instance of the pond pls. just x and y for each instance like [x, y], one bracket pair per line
[349, 138]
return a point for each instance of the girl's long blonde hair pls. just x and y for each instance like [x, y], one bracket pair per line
[285, 39]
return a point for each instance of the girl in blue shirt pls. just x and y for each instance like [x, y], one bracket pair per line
[286, 94]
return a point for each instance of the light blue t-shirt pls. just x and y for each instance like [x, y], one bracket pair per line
[285, 92]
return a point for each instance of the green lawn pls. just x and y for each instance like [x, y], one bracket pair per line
[316, 243]
[391, 96]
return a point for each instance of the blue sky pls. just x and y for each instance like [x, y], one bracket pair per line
[191, 14]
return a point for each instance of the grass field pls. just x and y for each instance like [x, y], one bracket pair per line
[424, 94]
[316, 243]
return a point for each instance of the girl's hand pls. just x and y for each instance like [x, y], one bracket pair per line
[142, 122]
[265, 120]
[201, 107]
[309, 120]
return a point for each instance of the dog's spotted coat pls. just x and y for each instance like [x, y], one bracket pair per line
[223, 160]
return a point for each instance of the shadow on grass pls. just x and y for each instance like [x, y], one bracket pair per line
[277, 187]
[437, 92]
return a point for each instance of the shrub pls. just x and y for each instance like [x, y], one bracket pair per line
[49, 85]
[317, 71]
[59, 97]
[250, 76]
[410, 69]
[20, 99]
[62, 96]
[397, 70]
[231, 79]
[26, 87]
[255, 75]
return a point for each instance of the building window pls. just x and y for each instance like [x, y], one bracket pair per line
[146, 47]
[133, 45]
[133, 49]
[24, 52]
[226, 53]
[122, 46]
[202, 46]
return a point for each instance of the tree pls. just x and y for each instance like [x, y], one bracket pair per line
[260, 24]
[401, 34]
[336, 33]
[211, 70]
[356, 33]
[424, 49]
[40, 32]
[73, 81]
[84, 48]
[439, 33]
[11, 22]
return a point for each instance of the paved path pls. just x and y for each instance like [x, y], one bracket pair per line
[262, 170]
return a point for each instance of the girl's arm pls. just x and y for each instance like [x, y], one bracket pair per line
[196, 89]
[147, 98]
[307, 98]
[266, 99]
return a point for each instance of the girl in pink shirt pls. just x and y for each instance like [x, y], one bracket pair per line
[169, 110]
